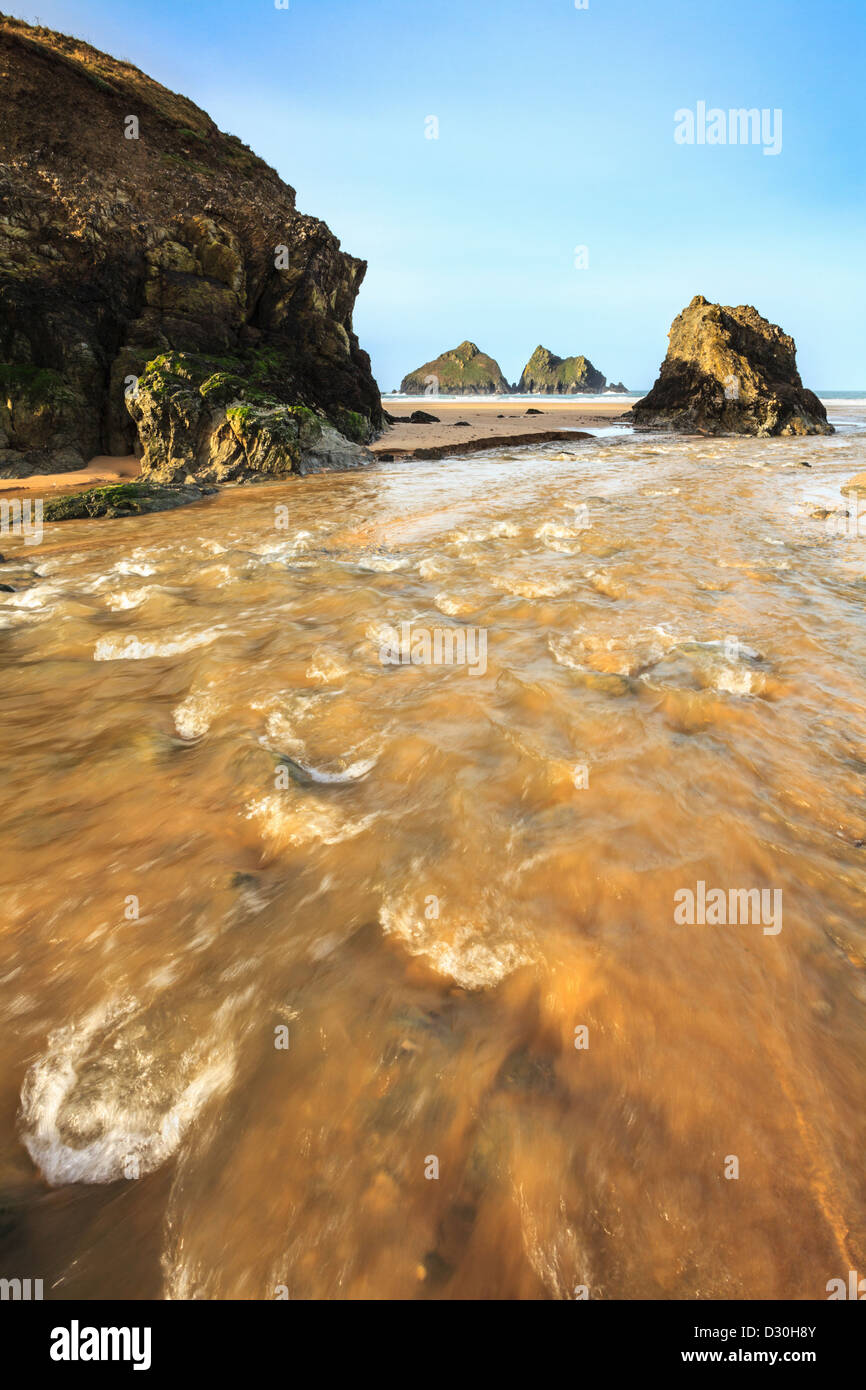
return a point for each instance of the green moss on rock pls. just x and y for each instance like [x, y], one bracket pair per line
[117, 500]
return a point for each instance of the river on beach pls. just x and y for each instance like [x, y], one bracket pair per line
[329, 975]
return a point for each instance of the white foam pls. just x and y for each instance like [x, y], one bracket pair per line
[131, 648]
[194, 715]
[733, 681]
[496, 531]
[38, 597]
[281, 723]
[135, 566]
[124, 599]
[453, 605]
[382, 564]
[136, 1101]
[558, 530]
[383, 634]
[284, 821]
[431, 568]
[476, 953]
[521, 587]
[325, 668]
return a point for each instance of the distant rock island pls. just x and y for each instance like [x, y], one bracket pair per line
[559, 376]
[159, 290]
[464, 371]
[467, 371]
[730, 371]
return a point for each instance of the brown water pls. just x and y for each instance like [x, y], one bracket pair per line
[491, 868]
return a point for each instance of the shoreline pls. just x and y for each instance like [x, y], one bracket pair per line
[468, 425]
[491, 425]
[499, 422]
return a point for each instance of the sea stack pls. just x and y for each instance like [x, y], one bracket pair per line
[159, 290]
[464, 371]
[559, 376]
[730, 371]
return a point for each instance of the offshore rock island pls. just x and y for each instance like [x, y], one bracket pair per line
[467, 371]
[462, 371]
[559, 376]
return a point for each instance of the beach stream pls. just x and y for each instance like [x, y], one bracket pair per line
[330, 977]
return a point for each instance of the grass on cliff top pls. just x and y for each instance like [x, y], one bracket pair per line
[121, 79]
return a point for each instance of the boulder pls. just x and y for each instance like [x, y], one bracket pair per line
[464, 371]
[559, 376]
[203, 418]
[121, 244]
[730, 371]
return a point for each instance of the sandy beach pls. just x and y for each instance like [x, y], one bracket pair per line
[494, 419]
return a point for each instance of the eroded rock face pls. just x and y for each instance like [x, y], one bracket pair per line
[118, 251]
[464, 371]
[559, 376]
[218, 420]
[729, 371]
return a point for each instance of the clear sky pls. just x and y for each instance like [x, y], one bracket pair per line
[556, 130]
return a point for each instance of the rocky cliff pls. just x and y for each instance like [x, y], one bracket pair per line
[729, 371]
[464, 371]
[559, 376]
[159, 289]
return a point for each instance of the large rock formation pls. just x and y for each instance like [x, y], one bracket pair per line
[559, 376]
[729, 371]
[464, 371]
[158, 288]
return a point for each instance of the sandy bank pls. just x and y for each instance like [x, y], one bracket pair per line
[100, 472]
[498, 419]
[489, 423]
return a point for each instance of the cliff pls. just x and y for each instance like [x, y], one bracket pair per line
[159, 289]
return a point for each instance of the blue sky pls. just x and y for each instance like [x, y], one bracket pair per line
[556, 130]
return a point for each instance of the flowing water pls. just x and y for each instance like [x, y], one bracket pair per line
[288, 929]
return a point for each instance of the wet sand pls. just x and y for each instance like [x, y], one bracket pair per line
[101, 471]
[493, 420]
